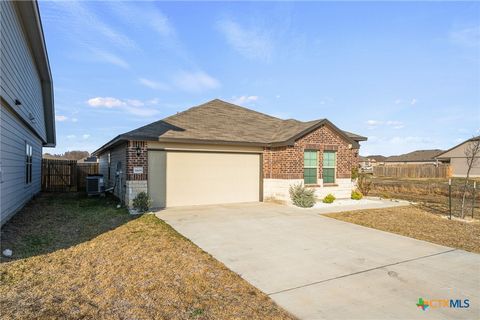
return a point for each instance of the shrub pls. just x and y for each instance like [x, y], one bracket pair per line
[329, 198]
[356, 195]
[301, 196]
[354, 173]
[364, 183]
[142, 202]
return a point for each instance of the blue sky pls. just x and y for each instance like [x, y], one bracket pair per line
[406, 75]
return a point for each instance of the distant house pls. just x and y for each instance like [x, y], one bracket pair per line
[89, 159]
[458, 160]
[415, 157]
[371, 161]
[27, 112]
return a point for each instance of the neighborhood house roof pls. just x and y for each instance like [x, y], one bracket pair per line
[440, 155]
[377, 158]
[415, 156]
[218, 121]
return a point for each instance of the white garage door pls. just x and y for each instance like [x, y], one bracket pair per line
[195, 178]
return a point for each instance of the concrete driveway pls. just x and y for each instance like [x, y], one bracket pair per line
[320, 268]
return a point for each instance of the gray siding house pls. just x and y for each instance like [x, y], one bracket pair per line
[27, 112]
[458, 160]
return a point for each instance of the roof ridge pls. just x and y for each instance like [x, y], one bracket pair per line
[246, 109]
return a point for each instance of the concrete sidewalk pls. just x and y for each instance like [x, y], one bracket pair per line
[321, 268]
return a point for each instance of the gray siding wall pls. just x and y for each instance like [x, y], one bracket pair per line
[117, 154]
[460, 168]
[14, 192]
[19, 78]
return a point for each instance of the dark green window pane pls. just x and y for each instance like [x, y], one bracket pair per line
[328, 175]
[310, 175]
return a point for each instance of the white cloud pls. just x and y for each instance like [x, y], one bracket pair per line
[74, 119]
[135, 103]
[390, 123]
[195, 81]
[410, 140]
[153, 84]
[106, 102]
[108, 57]
[244, 100]
[373, 123]
[85, 136]
[398, 101]
[252, 43]
[61, 118]
[84, 26]
[71, 136]
[395, 124]
[469, 37]
[131, 106]
[413, 101]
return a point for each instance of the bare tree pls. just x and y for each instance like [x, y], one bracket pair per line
[472, 153]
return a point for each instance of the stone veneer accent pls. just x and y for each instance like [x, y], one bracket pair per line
[134, 187]
[278, 189]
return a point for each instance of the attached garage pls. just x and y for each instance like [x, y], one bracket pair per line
[182, 178]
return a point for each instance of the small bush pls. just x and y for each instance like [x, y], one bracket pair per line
[356, 195]
[329, 198]
[301, 196]
[354, 173]
[142, 202]
[364, 183]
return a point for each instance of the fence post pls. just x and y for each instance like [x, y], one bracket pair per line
[473, 198]
[450, 198]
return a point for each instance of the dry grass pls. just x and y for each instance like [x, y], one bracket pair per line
[430, 194]
[142, 269]
[419, 224]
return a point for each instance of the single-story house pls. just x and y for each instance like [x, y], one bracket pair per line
[367, 163]
[415, 157]
[219, 152]
[458, 160]
[27, 111]
[89, 159]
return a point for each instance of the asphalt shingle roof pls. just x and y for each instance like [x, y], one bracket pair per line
[418, 155]
[218, 120]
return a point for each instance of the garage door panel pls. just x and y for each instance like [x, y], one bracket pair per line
[195, 178]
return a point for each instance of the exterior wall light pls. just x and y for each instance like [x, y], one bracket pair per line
[139, 151]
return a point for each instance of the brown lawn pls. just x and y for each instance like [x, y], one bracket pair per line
[417, 223]
[82, 258]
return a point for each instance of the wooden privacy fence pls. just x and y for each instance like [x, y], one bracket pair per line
[413, 171]
[65, 175]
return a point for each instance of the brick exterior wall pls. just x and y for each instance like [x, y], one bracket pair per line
[134, 160]
[287, 162]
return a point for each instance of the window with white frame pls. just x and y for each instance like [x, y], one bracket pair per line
[329, 166]
[310, 166]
